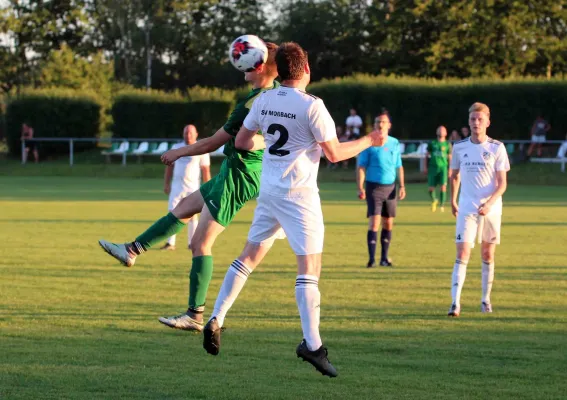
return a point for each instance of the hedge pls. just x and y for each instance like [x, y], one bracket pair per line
[53, 113]
[138, 114]
[418, 106]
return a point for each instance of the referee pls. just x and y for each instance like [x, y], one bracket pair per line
[376, 180]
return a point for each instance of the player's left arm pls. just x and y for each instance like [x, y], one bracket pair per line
[502, 166]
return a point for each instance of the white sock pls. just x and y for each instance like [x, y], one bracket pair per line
[233, 283]
[459, 274]
[191, 228]
[308, 300]
[171, 240]
[487, 278]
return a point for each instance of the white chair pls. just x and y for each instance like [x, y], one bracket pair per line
[162, 148]
[402, 148]
[123, 148]
[422, 149]
[142, 148]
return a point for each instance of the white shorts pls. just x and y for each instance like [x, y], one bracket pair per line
[298, 216]
[178, 193]
[538, 139]
[487, 228]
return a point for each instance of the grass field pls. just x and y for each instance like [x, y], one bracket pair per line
[76, 325]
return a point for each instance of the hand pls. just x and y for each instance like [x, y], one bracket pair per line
[361, 194]
[484, 208]
[402, 194]
[376, 138]
[454, 209]
[167, 188]
[169, 157]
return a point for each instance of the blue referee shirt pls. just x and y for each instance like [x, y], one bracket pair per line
[381, 163]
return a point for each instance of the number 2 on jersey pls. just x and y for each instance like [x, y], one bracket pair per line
[276, 148]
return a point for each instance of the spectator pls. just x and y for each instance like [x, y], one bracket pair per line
[465, 132]
[455, 137]
[347, 136]
[562, 152]
[538, 132]
[30, 145]
[354, 124]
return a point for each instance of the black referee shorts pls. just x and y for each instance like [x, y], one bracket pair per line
[381, 199]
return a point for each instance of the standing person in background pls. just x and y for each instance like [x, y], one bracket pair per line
[538, 132]
[437, 167]
[465, 132]
[183, 178]
[354, 124]
[376, 174]
[31, 145]
[454, 136]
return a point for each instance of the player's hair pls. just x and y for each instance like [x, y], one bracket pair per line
[383, 111]
[291, 60]
[271, 67]
[480, 107]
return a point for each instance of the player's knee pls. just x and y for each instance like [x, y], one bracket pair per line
[487, 255]
[388, 223]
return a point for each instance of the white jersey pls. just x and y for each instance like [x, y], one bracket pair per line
[478, 164]
[187, 170]
[293, 122]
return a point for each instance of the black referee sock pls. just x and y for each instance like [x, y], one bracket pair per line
[371, 238]
[385, 239]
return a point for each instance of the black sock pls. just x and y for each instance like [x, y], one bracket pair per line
[136, 248]
[371, 238]
[385, 239]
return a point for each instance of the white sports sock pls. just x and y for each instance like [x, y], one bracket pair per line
[233, 283]
[459, 274]
[171, 240]
[308, 300]
[487, 278]
[191, 228]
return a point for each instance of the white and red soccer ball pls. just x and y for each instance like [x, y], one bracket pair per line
[247, 53]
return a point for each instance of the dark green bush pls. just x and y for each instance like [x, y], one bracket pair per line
[140, 114]
[53, 113]
[417, 106]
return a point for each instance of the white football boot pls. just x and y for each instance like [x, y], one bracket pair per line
[118, 251]
[182, 321]
[485, 307]
[455, 310]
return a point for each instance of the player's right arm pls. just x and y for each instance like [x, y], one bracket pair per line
[167, 179]
[203, 146]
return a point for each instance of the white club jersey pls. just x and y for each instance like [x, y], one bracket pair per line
[478, 164]
[187, 170]
[293, 122]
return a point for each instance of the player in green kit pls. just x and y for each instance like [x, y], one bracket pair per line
[439, 157]
[218, 200]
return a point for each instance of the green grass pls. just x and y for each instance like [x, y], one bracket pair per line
[76, 325]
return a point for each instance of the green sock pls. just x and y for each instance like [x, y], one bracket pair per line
[160, 230]
[433, 195]
[199, 279]
[443, 196]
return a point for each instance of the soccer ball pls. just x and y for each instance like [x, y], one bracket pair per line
[247, 53]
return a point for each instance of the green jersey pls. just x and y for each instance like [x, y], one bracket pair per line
[439, 154]
[249, 160]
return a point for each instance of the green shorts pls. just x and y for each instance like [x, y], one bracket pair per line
[437, 177]
[228, 191]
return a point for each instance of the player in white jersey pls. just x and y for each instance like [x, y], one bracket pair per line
[479, 164]
[295, 126]
[183, 178]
